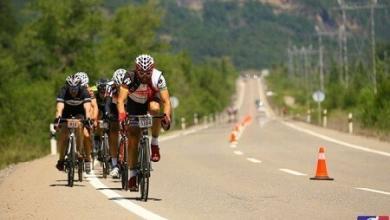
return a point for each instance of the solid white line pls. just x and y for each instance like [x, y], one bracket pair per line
[357, 147]
[374, 190]
[253, 160]
[120, 200]
[238, 152]
[293, 172]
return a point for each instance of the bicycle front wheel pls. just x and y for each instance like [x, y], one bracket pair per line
[145, 169]
[71, 162]
[123, 165]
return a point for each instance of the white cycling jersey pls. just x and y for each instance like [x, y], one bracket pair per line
[144, 92]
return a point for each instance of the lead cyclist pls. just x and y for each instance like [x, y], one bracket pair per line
[143, 90]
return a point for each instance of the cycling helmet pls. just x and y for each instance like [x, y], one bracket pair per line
[144, 62]
[101, 84]
[73, 80]
[118, 76]
[83, 78]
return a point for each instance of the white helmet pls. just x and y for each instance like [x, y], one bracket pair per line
[118, 76]
[83, 78]
[73, 80]
[144, 62]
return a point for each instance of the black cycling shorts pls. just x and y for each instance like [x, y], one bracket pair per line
[135, 108]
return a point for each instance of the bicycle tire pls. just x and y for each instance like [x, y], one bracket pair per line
[106, 156]
[71, 162]
[124, 166]
[145, 169]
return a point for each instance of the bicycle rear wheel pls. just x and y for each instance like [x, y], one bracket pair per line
[71, 162]
[106, 157]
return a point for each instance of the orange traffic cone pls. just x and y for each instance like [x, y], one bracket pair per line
[321, 173]
[233, 136]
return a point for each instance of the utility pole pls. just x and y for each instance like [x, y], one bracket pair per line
[321, 53]
[372, 5]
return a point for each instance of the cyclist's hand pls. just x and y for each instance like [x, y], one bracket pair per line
[166, 122]
[109, 116]
[56, 122]
[122, 118]
[89, 123]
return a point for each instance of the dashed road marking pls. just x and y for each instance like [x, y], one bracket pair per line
[233, 145]
[253, 160]
[237, 152]
[374, 191]
[293, 172]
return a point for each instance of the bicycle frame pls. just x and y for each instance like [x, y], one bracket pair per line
[71, 151]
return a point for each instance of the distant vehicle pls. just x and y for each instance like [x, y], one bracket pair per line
[259, 103]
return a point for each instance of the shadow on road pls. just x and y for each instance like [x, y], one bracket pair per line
[74, 185]
[133, 198]
[114, 188]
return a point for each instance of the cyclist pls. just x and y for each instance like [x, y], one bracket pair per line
[72, 100]
[143, 90]
[107, 99]
[84, 82]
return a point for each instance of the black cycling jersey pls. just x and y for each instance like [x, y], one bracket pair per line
[105, 100]
[73, 105]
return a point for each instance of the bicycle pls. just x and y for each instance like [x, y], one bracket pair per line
[144, 166]
[71, 151]
[104, 147]
[122, 157]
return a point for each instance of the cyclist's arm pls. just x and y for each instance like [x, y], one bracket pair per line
[107, 105]
[166, 102]
[87, 108]
[95, 109]
[123, 92]
[59, 109]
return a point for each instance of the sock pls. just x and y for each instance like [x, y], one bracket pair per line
[155, 141]
[132, 173]
[114, 161]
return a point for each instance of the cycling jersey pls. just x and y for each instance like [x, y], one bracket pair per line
[142, 93]
[73, 105]
[107, 100]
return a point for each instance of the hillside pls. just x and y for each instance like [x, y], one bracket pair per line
[256, 33]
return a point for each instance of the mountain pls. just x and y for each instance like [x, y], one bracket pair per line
[256, 33]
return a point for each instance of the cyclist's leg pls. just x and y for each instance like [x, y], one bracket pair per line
[154, 109]
[133, 136]
[79, 139]
[63, 134]
[87, 149]
[87, 144]
[113, 142]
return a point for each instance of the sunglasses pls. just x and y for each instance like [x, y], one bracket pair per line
[144, 73]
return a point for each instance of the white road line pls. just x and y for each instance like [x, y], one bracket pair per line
[374, 191]
[120, 200]
[293, 172]
[253, 160]
[233, 145]
[357, 147]
[237, 152]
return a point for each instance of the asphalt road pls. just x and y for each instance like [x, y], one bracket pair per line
[201, 175]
